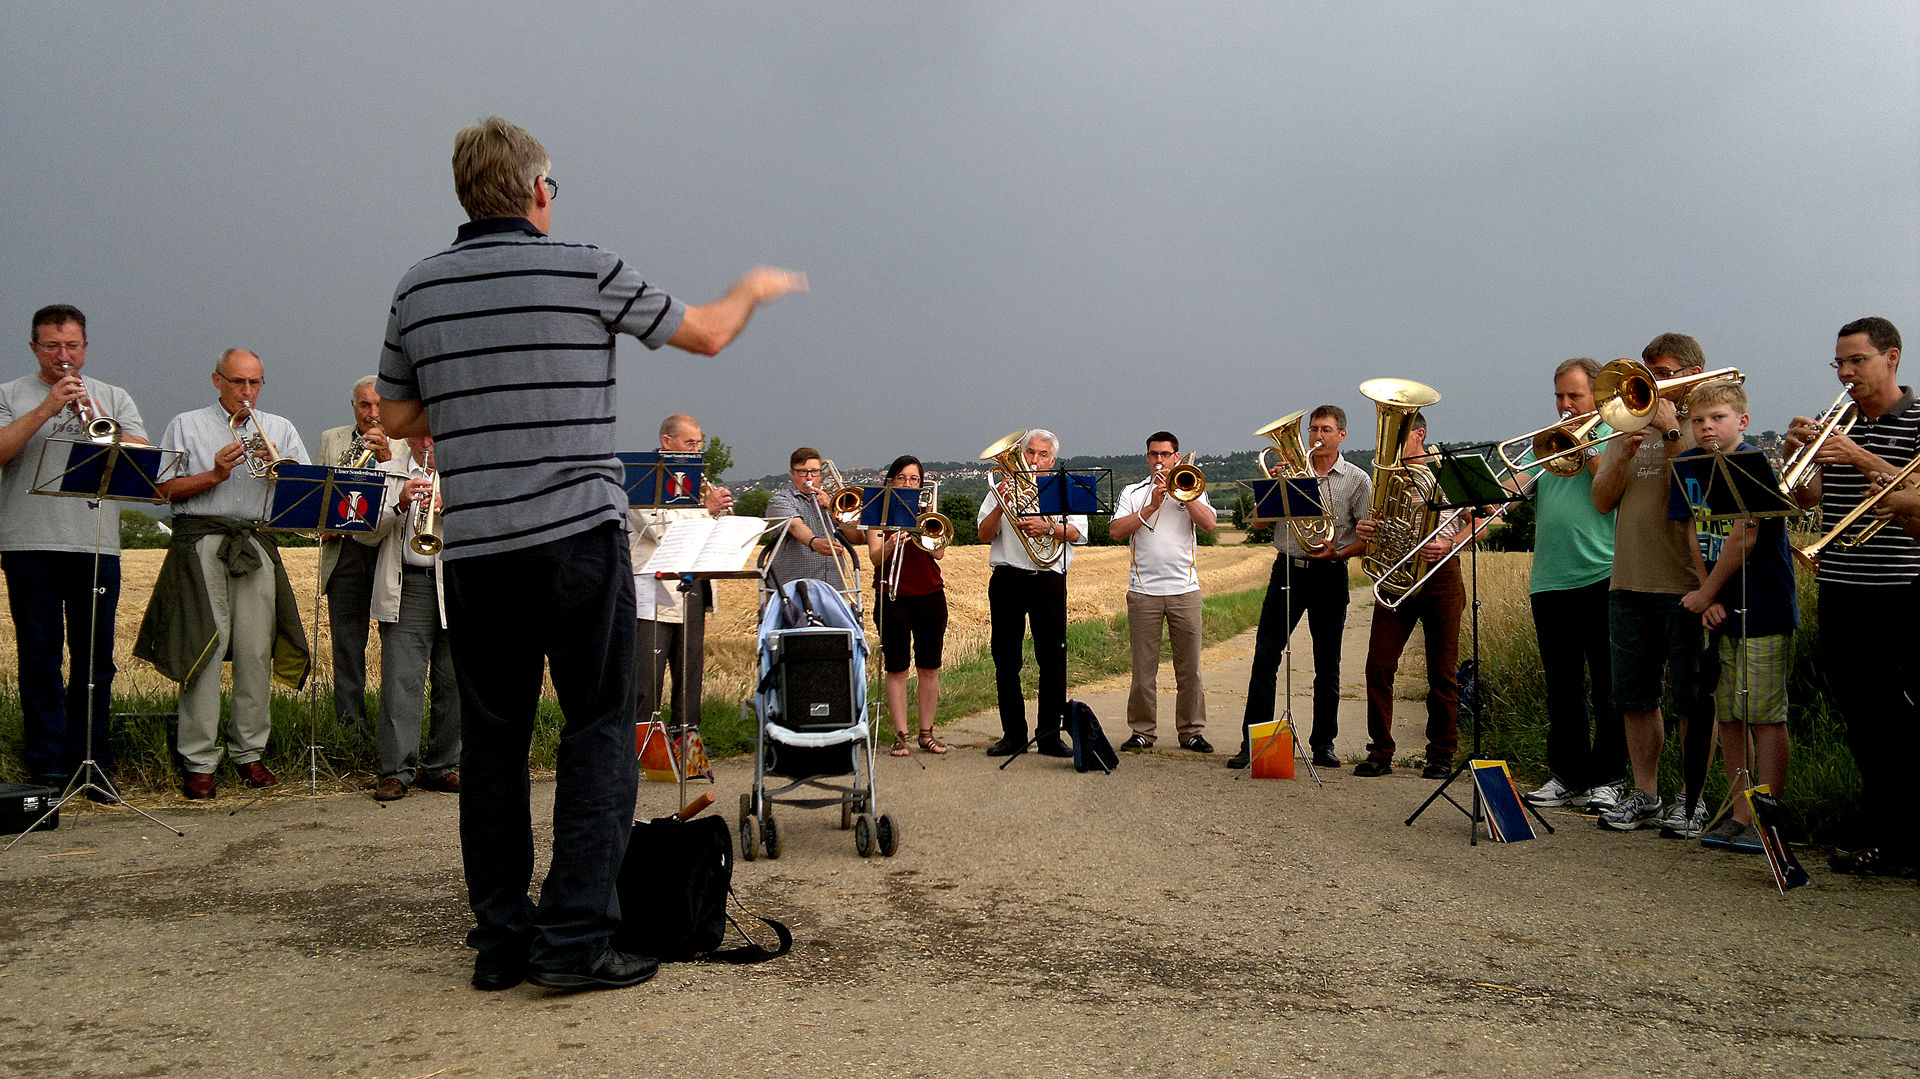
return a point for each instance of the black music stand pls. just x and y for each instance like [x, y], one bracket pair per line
[1735, 486]
[100, 472]
[310, 500]
[1059, 493]
[1466, 482]
[1280, 502]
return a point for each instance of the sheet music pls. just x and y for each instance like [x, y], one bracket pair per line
[705, 545]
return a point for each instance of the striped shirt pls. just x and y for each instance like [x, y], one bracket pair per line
[1892, 557]
[506, 338]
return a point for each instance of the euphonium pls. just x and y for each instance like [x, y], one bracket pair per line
[1797, 472]
[1294, 461]
[1402, 515]
[425, 517]
[1024, 495]
[99, 428]
[254, 443]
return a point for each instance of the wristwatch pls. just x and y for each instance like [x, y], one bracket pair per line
[1672, 435]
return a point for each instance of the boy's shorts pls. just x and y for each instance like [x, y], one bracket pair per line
[1769, 662]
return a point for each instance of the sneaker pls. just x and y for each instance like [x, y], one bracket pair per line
[1728, 834]
[1637, 809]
[1555, 793]
[1676, 824]
[1601, 798]
[1197, 744]
[1136, 742]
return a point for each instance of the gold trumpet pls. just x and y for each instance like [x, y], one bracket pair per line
[1797, 472]
[1293, 460]
[99, 428]
[1023, 495]
[256, 443]
[1837, 537]
[425, 517]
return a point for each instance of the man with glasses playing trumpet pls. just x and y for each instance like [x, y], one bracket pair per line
[816, 539]
[347, 561]
[1867, 629]
[1161, 517]
[222, 589]
[47, 548]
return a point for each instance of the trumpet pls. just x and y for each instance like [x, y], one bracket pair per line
[1293, 460]
[1797, 472]
[1023, 496]
[1185, 482]
[99, 428]
[843, 502]
[255, 443]
[425, 517]
[1836, 537]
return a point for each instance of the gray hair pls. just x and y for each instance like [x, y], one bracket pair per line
[228, 354]
[353, 395]
[1041, 434]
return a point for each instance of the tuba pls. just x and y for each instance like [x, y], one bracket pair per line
[1293, 460]
[254, 443]
[1402, 514]
[1023, 494]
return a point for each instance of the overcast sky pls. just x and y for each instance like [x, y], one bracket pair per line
[1098, 218]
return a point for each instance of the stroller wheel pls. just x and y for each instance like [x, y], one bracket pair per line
[886, 834]
[863, 835]
[746, 806]
[846, 815]
[749, 837]
[770, 836]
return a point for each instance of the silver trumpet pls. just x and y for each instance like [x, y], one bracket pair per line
[425, 517]
[99, 428]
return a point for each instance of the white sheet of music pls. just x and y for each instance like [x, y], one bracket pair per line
[705, 545]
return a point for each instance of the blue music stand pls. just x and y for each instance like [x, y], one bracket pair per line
[663, 479]
[326, 498]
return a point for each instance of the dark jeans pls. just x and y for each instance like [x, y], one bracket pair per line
[657, 651]
[1867, 643]
[1016, 598]
[48, 593]
[1571, 626]
[567, 605]
[1320, 592]
[349, 609]
[1436, 607]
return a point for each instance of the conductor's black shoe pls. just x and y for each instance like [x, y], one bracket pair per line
[1197, 744]
[493, 975]
[1054, 747]
[1323, 757]
[1242, 758]
[1437, 769]
[1136, 742]
[612, 970]
[1373, 766]
[1006, 747]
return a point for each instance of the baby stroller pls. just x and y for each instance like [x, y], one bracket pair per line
[812, 729]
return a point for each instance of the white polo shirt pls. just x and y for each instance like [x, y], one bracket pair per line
[1160, 562]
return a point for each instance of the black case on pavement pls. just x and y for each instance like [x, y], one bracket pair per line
[22, 803]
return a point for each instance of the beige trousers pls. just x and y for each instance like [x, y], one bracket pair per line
[1181, 616]
[243, 611]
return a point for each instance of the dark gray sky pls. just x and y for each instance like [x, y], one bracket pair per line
[1098, 218]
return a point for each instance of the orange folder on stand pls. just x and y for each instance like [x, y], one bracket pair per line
[1272, 743]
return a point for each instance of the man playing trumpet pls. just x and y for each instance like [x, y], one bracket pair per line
[1866, 631]
[347, 561]
[222, 590]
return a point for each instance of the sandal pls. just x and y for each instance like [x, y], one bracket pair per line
[931, 744]
[901, 747]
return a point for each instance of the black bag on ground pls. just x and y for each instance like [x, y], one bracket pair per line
[673, 887]
[1090, 746]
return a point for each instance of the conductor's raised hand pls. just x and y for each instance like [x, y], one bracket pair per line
[765, 284]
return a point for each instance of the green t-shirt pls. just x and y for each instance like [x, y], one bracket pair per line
[1572, 543]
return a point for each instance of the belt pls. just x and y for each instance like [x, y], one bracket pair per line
[406, 568]
[1312, 563]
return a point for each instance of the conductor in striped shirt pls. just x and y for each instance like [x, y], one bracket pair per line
[1865, 640]
[502, 348]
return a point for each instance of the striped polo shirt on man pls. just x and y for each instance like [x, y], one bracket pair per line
[506, 338]
[1892, 557]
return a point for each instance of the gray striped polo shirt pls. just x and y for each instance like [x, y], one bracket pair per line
[507, 340]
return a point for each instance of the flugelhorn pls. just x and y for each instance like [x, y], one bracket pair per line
[425, 517]
[358, 452]
[99, 428]
[1837, 537]
[1293, 460]
[255, 443]
[1797, 472]
[1402, 514]
[1022, 498]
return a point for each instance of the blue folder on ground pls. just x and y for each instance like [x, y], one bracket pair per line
[1506, 818]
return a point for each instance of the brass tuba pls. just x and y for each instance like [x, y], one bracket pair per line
[1294, 461]
[1024, 495]
[1402, 515]
[357, 454]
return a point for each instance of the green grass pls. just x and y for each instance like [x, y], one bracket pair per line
[143, 743]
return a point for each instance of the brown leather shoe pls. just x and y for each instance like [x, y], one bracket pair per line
[389, 790]
[447, 782]
[256, 774]
[199, 785]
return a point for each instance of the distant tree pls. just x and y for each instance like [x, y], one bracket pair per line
[1516, 534]
[719, 458]
[139, 530]
[962, 510]
[752, 503]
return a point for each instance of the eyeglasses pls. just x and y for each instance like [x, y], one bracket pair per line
[553, 186]
[243, 383]
[54, 348]
[1163, 453]
[1854, 361]
[804, 471]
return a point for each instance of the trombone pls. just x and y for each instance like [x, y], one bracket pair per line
[1797, 472]
[843, 501]
[1836, 537]
[1185, 482]
[931, 532]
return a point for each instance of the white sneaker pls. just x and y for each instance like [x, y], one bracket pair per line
[1555, 793]
[1677, 824]
[1602, 798]
[1637, 809]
